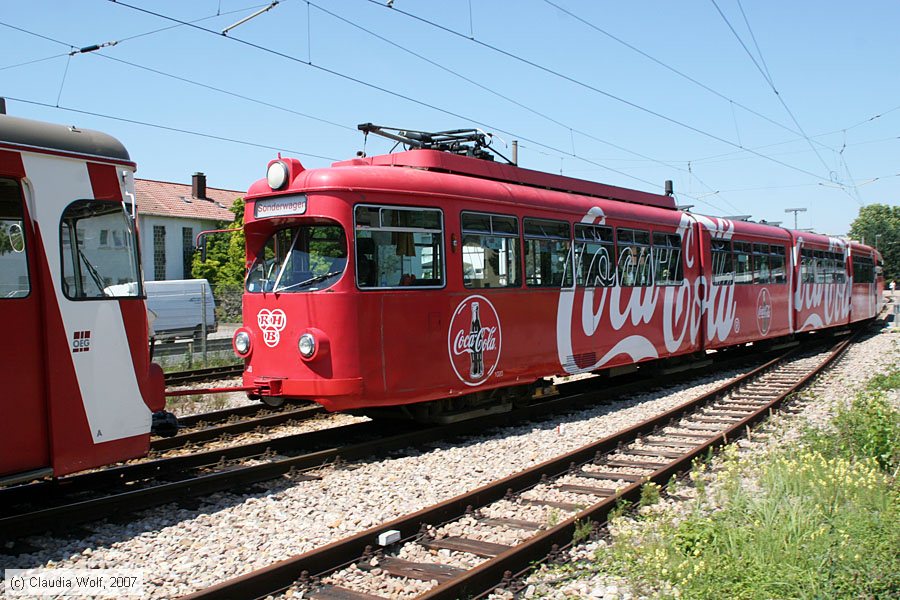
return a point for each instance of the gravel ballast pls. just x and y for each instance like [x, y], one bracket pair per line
[185, 550]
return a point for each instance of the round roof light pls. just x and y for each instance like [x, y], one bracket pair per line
[277, 175]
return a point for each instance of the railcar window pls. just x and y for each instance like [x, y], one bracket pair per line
[761, 273]
[667, 256]
[819, 265]
[840, 267]
[547, 247]
[807, 266]
[14, 280]
[490, 251]
[635, 264]
[303, 258]
[863, 269]
[594, 252]
[90, 268]
[399, 247]
[743, 266]
[778, 264]
[723, 266]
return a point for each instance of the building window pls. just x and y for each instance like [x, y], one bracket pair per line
[159, 252]
[187, 241]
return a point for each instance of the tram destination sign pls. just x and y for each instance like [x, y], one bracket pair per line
[279, 207]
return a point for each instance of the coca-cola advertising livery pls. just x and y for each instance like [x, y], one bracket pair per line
[442, 283]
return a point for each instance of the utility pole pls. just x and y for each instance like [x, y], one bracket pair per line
[795, 211]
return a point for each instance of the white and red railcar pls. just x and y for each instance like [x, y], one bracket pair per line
[427, 275]
[79, 386]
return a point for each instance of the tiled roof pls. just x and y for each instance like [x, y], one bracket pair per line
[174, 200]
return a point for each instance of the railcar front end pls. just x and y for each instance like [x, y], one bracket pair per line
[79, 387]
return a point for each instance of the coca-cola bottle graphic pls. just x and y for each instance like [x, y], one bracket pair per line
[476, 355]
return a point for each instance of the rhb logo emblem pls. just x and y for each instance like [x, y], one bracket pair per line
[81, 341]
[473, 340]
[271, 323]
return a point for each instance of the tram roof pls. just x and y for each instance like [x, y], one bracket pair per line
[445, 162]
[50, 137]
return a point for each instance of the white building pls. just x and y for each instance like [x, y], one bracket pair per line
[170, 215]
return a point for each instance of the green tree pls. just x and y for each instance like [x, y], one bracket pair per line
[880, 224]
[224, 266]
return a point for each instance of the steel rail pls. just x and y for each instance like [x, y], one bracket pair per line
[243, 426]
[321, 561]
[205, 374]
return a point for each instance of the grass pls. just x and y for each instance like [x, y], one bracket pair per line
[817, 520]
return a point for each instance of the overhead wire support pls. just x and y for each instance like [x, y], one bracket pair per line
[253, 16]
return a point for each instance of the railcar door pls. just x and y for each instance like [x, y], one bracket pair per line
[24, 444]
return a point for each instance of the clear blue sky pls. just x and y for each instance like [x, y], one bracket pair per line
[835, 64]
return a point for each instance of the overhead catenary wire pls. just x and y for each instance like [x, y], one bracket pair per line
[669, 67]
[375, 87]
[597, 90]
[494, 92]
[170, 128]
[768, 78]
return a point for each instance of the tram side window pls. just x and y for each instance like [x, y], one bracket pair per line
[490, 251]
[547, 247]
[635, 264]
[667, 257]
[90, 269]
[807, 266]
[840, 268]
[594, 252]
[761, 273]
[14, 281]
[722, 264]
[777, 264]
[398, 247]
[863, 270]
[819, 266]
[743, 268]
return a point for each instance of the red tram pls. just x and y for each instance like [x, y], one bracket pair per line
[443, 282]
[79, 387]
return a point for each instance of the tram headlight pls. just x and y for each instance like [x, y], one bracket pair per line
[307, 345]
[242, 342]
[277, 174]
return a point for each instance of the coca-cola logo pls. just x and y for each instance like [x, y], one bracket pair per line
[764, 311]
[473, 340]
[271, 322]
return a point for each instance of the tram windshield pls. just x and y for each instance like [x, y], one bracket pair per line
[99, 251]
[300, 259]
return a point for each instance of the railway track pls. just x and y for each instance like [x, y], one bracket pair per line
[72, 500]
[483, 540]
[207, 374]
[229, 422]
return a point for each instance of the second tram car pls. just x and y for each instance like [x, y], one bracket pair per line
[446, 283]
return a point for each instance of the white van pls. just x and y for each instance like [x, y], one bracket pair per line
[175, 308]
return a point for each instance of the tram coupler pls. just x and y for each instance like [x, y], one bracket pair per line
[164, 424]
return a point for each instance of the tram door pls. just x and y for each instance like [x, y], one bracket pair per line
[24, 443]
